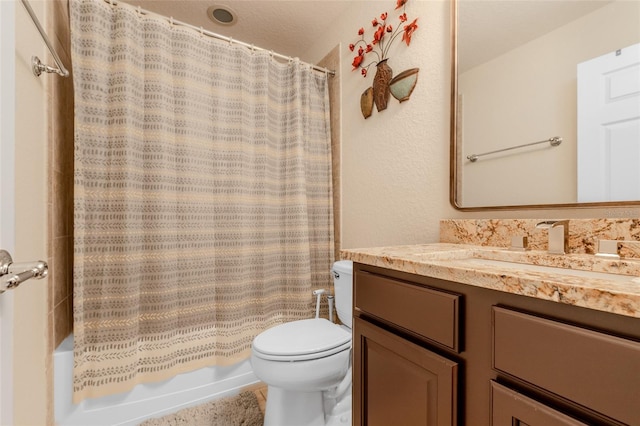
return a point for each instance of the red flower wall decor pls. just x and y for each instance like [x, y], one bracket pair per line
[383, 37]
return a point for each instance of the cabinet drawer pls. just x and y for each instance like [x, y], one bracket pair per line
[593, 369]
[429, 313]
[509, 408]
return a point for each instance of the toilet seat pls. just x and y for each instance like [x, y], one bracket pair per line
[301, 340]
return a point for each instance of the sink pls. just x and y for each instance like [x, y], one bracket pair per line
[514, 267]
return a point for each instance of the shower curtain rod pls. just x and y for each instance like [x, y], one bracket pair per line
[231, 40]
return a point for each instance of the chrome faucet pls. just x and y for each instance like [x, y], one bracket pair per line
[558, 235]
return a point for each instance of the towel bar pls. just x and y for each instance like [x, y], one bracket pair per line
[554, 141]
[36, 64]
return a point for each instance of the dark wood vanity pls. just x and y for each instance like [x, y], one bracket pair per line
[434, 352]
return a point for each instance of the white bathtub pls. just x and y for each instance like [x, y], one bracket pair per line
[144, 401]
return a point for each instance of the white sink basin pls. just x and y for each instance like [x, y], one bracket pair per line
[513, 267]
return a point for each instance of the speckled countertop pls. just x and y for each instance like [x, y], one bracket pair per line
[583, 280]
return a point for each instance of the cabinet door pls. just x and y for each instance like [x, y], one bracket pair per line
[397, 382]
[510, 408]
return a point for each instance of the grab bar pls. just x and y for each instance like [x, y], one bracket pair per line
[19, 272]
[554, 141]
[36, 64]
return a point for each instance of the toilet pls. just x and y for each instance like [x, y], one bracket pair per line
[307, 364]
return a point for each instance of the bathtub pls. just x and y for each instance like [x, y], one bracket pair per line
[146, 400]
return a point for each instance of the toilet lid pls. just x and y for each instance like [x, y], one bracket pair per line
[304, 337]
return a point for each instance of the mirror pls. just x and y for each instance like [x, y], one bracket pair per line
[522, 75]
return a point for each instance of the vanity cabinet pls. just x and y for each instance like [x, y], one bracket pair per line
[429, 351]
[398, 380]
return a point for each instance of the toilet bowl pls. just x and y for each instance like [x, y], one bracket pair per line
[307, 364]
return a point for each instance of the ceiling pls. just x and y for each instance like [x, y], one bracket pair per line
[288, 27]
[489, 28]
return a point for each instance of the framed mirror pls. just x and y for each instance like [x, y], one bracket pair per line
[545, 104]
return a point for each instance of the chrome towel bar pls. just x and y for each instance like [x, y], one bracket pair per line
[36, 65]
[554, 141]
[14, 274]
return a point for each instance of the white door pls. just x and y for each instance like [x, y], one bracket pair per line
[7, 213]
[609, 127]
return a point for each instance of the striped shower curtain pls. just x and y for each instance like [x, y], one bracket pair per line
[203, 207]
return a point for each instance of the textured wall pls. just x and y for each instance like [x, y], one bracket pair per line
[395, 164]
[332, 61]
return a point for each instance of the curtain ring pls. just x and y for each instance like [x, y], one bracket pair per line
[111, 3]
[230, 41]
[171, 21]
[139, 11]
[201, 32]
[253, 48]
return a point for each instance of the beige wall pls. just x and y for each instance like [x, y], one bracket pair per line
[529, 94]
[32, 360]
[332, 61]
[44, 210]
[395, 164]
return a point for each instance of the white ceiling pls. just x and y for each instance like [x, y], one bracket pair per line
[288, 27]
[291, 27]
[488, 28]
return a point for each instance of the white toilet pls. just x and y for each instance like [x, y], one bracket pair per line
[307, 364]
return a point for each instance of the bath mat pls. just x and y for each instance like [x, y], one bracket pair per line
[239, 410]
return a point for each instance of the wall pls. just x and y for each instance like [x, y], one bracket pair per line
[395, 177]
[529, 94]
[395, 162]
[32, 348]
[60, 202]
[44, 209]
[332, 61]
[7, 215]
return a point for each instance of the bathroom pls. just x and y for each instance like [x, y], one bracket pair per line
[394, 174]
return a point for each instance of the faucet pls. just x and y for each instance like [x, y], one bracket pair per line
[558, 235]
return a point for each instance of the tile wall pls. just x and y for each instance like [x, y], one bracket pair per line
[60, 203]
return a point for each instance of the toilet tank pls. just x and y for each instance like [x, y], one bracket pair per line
[343, 286]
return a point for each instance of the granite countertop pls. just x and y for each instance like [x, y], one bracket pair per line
[608, 285]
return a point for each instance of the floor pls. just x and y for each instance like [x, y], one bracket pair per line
[260, 389]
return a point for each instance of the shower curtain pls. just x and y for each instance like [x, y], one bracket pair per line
[203, 208]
